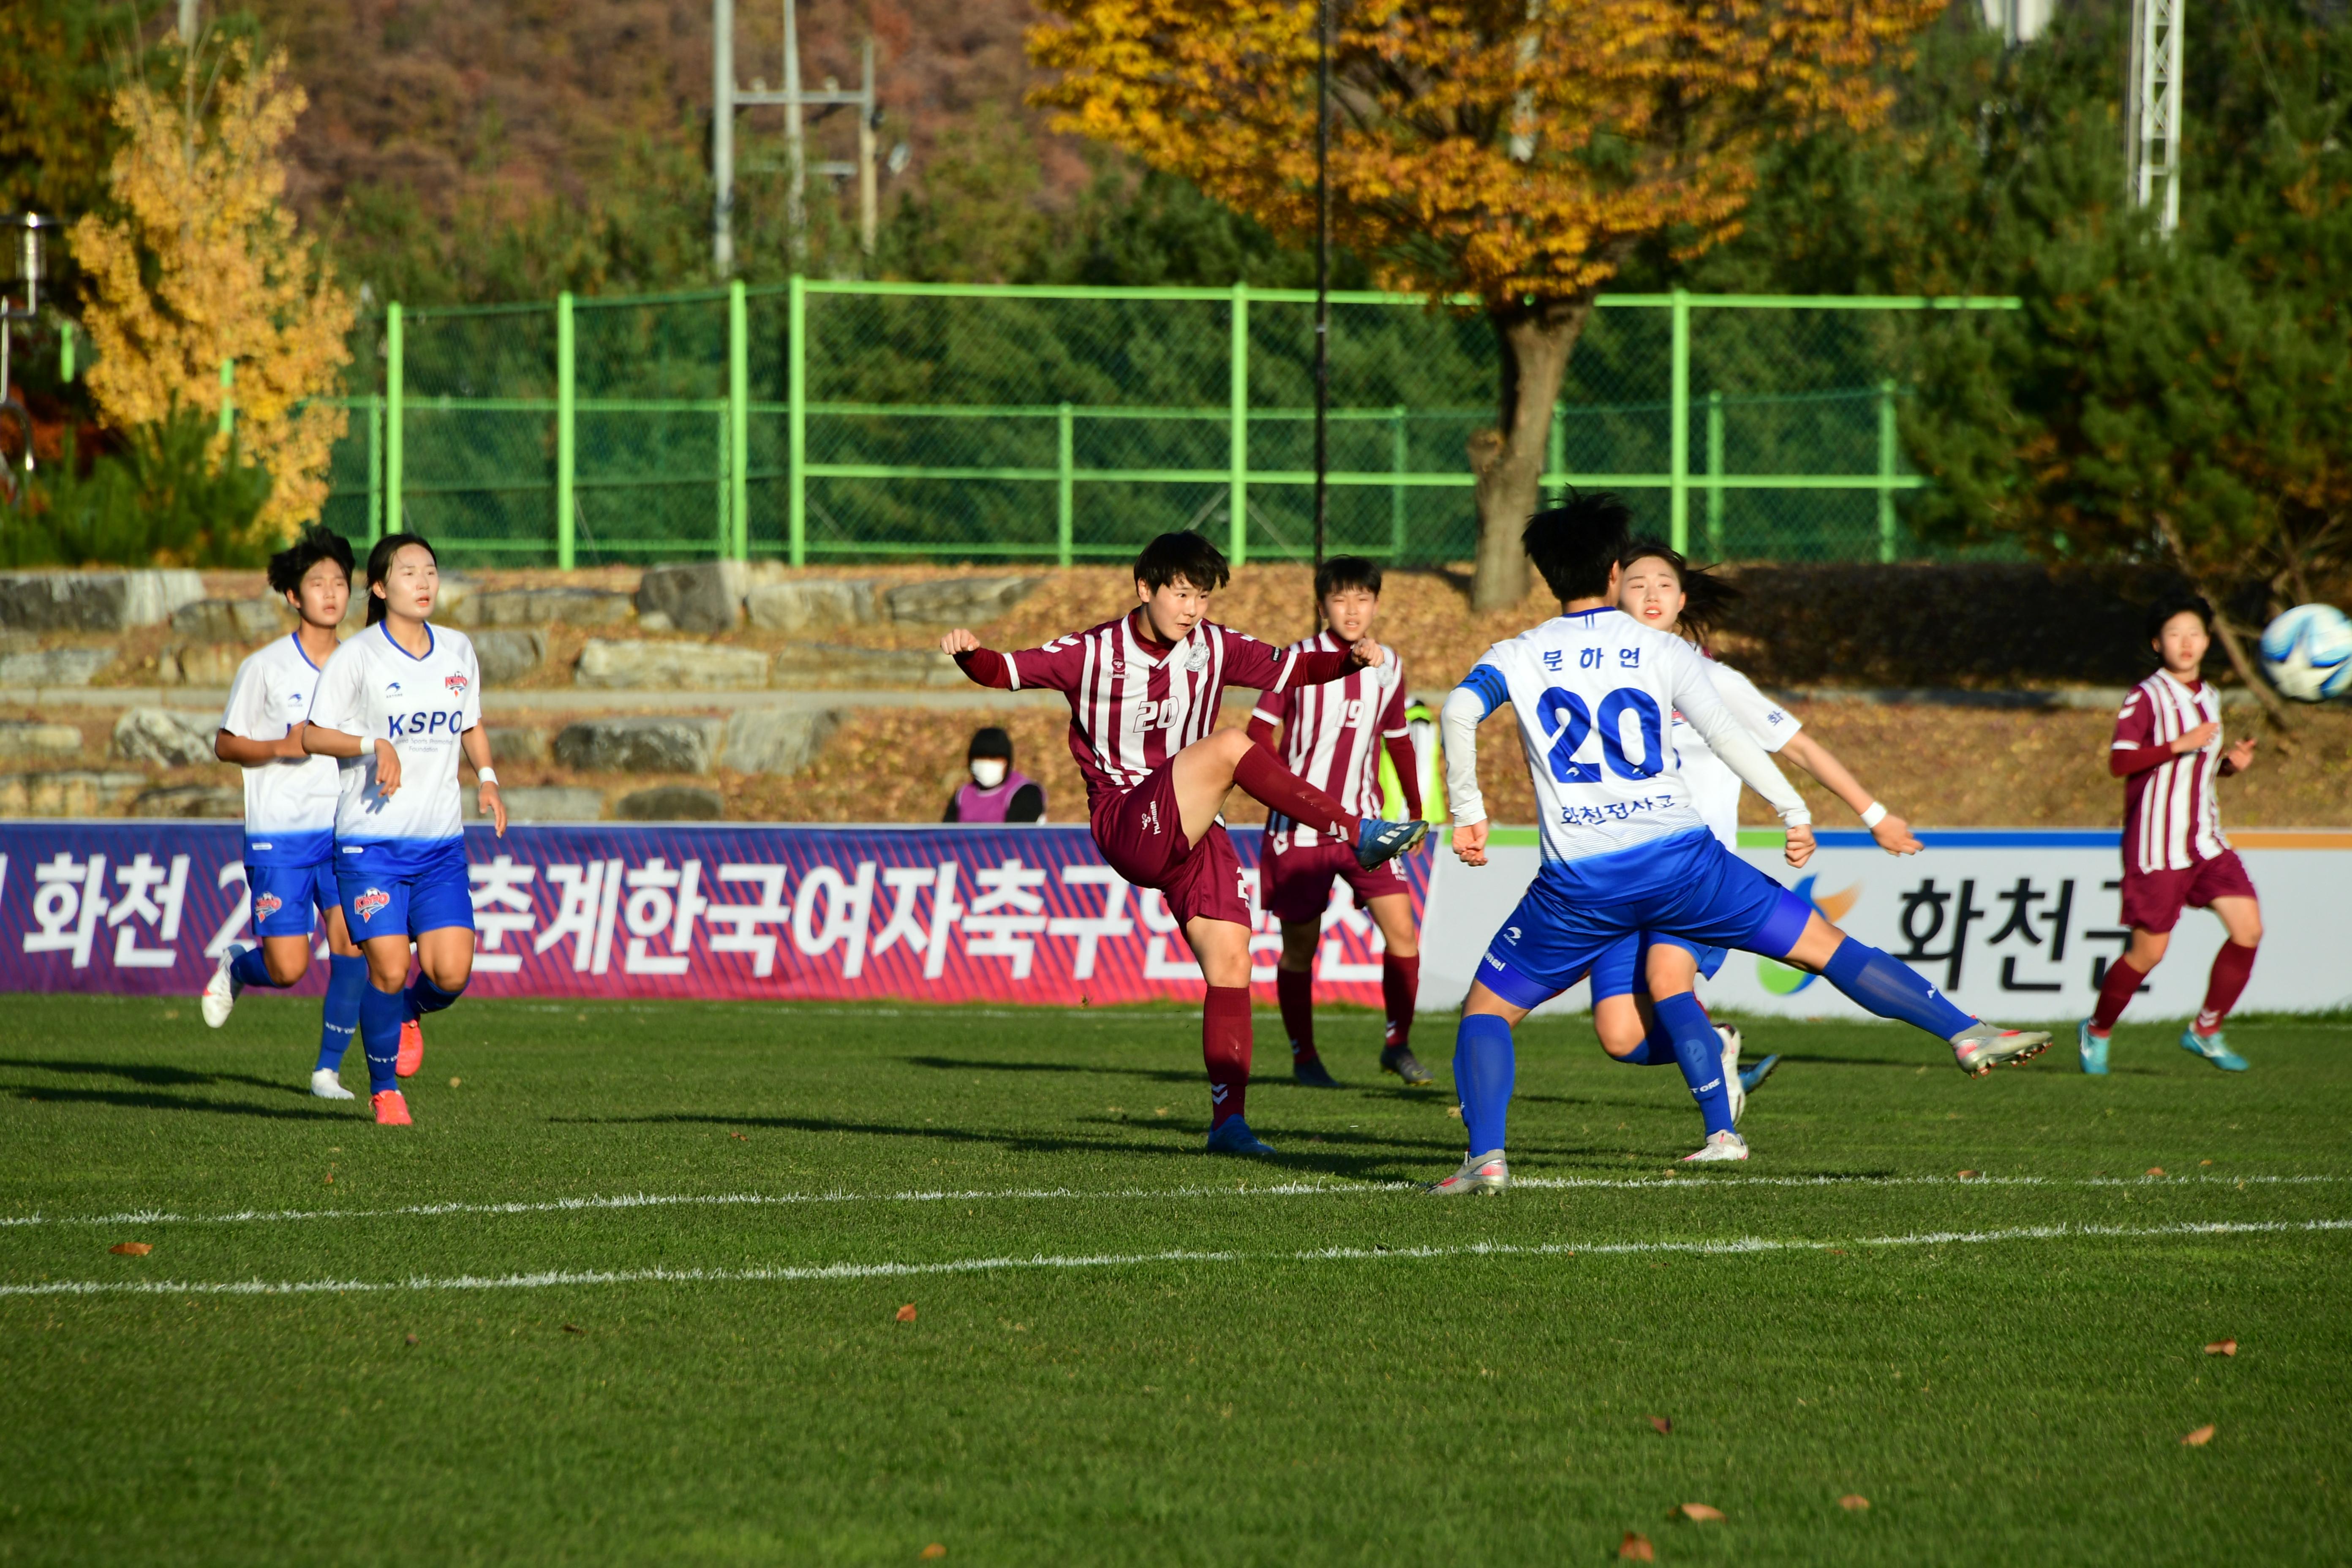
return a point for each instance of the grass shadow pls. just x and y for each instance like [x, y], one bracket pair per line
[153, 1075]
[128, 1100]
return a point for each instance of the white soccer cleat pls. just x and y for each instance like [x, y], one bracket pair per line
[1982, 1047]
[221, 990]
[328, 1084]
[1718, 1146]
[1734, 1090]
[1487, 1172]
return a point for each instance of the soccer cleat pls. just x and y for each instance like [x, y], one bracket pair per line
[1719, 1146]
[1233, 1136]
[1486, 1173]
[1399, 1060]
[1378, 841]
[1735, 1087]
[1753, 1077]
[328, 1084]
[2214, 1049]
[412, 1049]
[1982, 1047]
[222, 990]
[2093, 1049]
[1310, 1072]
[391, 1108]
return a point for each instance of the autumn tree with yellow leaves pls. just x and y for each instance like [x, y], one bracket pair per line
[195, 260]
[1514, 152]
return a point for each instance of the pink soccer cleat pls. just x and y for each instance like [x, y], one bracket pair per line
[391, 1108]
[412, 1049]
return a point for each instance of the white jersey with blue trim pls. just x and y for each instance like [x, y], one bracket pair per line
[378, 690]
[1715, 788]
[1596, 693]
[289, 803]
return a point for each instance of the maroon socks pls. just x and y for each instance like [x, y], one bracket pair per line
[1400, 986]
[2231, 967]
[2116, 992]
[1225, 1050]
[1295, 991]
[1275, 787]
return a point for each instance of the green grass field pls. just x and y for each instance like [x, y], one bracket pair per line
[630, 1291]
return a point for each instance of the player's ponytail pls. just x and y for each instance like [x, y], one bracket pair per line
[380, 566]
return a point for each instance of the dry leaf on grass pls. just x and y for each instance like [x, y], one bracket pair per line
[132, 1249]
[2197, 1439]
[934, 1549]
[1635, 1549]
[1854, 1503]
[906, 1315]
[1700, 1514]
[2156, 1170]
[1970, 1176]
[574, 1329]
[1661, 1424]
[412, 1339]
[2222, 1347]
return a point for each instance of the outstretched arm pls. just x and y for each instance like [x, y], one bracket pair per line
[1893, 834]
[1466, 707]
[1694, 695]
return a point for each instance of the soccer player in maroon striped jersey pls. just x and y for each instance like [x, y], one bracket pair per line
[1144, 690]
[2167, 751]
[1333, 736]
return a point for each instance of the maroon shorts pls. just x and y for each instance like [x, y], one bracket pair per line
[1298, 878]
[2153, 899]
[1141, 834]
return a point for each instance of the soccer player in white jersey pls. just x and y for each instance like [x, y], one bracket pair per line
[396, 706]
[1624, 850]
[1659, 588]
[2167, 751]
[289, 809]
[1333, 736]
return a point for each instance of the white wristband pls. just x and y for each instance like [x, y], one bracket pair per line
[486, 776]
[1872, 815]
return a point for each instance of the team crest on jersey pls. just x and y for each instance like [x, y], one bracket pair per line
[369, 904]
[267, 905]
[456, 685]
[1198, 660]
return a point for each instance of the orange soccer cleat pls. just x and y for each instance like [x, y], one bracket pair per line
[391, 1108]
[412, 1049]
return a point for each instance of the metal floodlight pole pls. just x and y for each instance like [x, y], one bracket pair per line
[2152, 124]
[795, 159]
[1322, 272]
[722, 136]
[869, 120]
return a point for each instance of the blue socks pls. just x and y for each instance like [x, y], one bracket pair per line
[424, 998]
[1892, 989]
[382, 1013]
[251, 969]
[1485, 1067]
[1698, 1051]
[340, 1019]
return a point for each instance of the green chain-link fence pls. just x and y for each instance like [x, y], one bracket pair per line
[829, 420]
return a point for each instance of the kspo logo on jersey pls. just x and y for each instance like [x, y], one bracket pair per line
[420, 725]
[369, 904]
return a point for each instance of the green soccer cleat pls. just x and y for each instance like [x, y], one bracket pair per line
[2214, 1049]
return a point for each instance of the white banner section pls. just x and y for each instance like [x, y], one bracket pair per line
[2013, 924]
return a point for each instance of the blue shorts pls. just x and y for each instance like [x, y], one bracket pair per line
[285, 896]
[432, 896]
[1623, 969]
[1688, 885]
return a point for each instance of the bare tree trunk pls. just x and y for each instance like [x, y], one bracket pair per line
[2231, 644]
[1536, 339]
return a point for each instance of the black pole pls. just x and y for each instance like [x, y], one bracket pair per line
[1322, 268]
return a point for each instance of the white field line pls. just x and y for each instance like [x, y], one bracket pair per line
[830, 1271]
[1124, 1194]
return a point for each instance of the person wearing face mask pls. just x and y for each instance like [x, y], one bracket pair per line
[996, 794]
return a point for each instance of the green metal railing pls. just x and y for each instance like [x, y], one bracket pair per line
[828, 418]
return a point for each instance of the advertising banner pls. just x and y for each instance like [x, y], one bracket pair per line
[1026, 914]
[2012, 924]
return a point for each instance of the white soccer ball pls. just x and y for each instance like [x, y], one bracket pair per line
[2308, 653]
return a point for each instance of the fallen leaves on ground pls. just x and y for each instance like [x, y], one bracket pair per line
[132, 1249]
[1854, 1503]
[2156, 1170]
[1661, 1424]
[2199, 1438]
[1970, 1176]
[412, 1339]
[1700, 1514]
[935, 1550]
[2222, 1347]
[456, 1081]
[1635, 1549]
[906, 1315]
[574, 1329]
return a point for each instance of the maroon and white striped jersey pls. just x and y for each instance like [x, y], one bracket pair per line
[1332, 735]
[2171, 821]
[1133, 706]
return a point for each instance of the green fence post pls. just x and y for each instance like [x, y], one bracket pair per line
[567, 438]
[228, 398]
[375, 468]
[1715, 474]
[1678, 445]
[1398, 454]
[796, 420]
[739, 415]
[1237, 437]
[65, 350]
[393, 407]
[1886, 470]
[1066, 452]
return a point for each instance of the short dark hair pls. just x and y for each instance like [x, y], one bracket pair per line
[1705, 596]
[291, 564]
[1184, 556]
[2160, 614]
[380, 565]
[1574, 545]
[1347, 571]
[989, 743]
